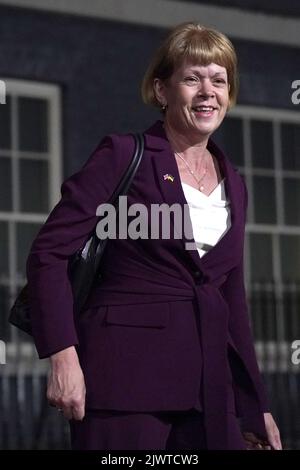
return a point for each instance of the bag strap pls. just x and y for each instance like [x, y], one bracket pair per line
[122, 189]
[127, 178]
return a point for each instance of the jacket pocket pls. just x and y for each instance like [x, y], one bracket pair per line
[155, 315]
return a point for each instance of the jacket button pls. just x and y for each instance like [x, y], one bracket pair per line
[198, 275]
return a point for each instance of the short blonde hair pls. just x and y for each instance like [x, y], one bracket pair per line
[197, 44]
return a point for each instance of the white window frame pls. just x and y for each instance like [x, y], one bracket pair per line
[23, 88]
[277, 117]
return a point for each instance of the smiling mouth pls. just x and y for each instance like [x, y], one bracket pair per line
[203, 109]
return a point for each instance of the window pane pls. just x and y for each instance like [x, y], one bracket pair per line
[5, 184]
[262, 144]
[291, 188]
[230, 139]
[261, 257]
[264, 199]
[33, 124]
[25, 236]
[5, 124]
[33, 186]
[3, 248]
[290, 146]
[290, 257]
[291, 302]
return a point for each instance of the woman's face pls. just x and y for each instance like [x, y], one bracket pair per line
[197, 98]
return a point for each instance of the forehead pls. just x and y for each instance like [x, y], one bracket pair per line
[211, 68]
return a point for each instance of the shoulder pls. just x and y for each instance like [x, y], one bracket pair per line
[243, 191]
[244, 187]
[104, 166]
[112, 152]
[115, 144]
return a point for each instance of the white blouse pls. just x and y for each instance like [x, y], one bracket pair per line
[210, 215]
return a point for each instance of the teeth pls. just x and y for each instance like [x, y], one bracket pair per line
[203, 108]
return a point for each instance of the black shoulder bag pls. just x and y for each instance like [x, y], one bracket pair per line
[83, 266]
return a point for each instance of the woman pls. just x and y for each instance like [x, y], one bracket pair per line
[162, 356]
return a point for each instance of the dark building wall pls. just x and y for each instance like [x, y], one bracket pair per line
[275, 7]
[99, 66]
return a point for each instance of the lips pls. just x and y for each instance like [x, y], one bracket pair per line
[202, 108]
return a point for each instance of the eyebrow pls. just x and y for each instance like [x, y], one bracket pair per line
[215, 75]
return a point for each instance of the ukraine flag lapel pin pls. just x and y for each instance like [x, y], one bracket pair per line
[168, 177]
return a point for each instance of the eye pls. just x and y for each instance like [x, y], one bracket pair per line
[220, 81]
[191, 79]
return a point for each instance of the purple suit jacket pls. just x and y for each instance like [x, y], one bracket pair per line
[163, 323]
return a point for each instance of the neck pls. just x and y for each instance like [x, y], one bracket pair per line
[193, 149]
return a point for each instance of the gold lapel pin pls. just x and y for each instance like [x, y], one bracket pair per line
[168, 177]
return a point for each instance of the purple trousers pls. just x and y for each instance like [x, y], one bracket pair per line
[120, 430]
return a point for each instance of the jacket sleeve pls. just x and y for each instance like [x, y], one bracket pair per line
[240, 330]
[67, 228]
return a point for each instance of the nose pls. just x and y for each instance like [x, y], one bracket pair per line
[206, 89]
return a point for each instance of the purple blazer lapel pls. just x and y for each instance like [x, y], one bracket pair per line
[168, 179]
[231, 243]
[165, 165]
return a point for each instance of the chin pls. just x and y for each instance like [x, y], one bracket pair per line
[206, 130]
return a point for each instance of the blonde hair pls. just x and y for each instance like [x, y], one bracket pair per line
[194, 43]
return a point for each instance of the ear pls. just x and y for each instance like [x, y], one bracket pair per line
[159, 88]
